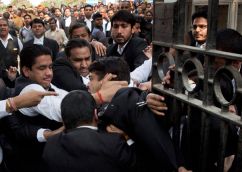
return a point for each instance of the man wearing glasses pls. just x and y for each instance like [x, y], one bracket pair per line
[199, 28]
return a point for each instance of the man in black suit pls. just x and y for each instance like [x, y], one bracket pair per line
[82, 147]
[88, 10]
[126, 46]
[127, 111]
[38, 28]
[67, 21]
[71, 72]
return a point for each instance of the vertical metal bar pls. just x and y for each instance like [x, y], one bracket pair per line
[210, 43]
[213, 6]
[239, 153]
[180, 26]
[177, 123]
[205, 127]
[222, 145]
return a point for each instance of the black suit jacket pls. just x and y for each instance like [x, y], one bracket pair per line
[66, 29]
[132, 54]
[154, 148]
[66, 77]
[88, 150]
[49, 43]
[20, 144]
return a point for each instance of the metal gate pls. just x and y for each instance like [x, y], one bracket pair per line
[170, 24]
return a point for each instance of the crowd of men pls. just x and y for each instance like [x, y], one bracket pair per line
[86, 57]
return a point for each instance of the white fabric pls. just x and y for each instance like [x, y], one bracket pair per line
[88, 126]
[49, 105]
[40, 135]
[68, 21]
[201, 45]
[121, 49]
[39, 41]
[85, 80]
[88, 23]
[5, 42]
[3, 112]
[142, 73]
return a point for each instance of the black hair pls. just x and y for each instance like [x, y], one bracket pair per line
[3, 19]
[6, 15]
[138, 19]
[79, 25]
[52, 19]
[229, 40]
[88, 5]
[37, 21]
[96, 15]
[123, 15]
[77, 108]
[202, 13]
[76, 43]
[112, 64]
[30, 53]
[27, 15]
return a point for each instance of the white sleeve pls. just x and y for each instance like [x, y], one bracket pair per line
[49, 105]
[142, 73]
[20, 45]
[3, 112]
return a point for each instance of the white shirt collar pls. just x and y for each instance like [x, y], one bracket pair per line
[5, 42]
[88, 126]
[121, 49]
[85, 79]
[27, 28]
[201, 45]
[39, 41]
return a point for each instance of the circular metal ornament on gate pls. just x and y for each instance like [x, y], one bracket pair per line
[192, 73]
[227, 85]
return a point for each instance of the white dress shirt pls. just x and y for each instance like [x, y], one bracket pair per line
[3, 112]
[121, 49]
[142, 73]
[48, 107]
[39, 41]
[88, 23]
[5, 42]
[68, 21]
[85, 80]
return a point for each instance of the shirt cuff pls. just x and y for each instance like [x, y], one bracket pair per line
[130, 142]
[40, 135]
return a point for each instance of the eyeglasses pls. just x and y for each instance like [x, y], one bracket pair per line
[202, 27]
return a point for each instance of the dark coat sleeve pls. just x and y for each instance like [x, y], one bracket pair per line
[53, 46]
[140, 57]
[153, 143]
[65, 78]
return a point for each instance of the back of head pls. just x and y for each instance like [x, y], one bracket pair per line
[77, 108]
[229, 40]
[76, 43]
[30, 53]
[96, 15]
[112, 64]
[124, 16]
[6, 15]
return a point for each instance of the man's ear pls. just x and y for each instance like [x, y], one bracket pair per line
[95, 115]
[132, 30]
[26, 71]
